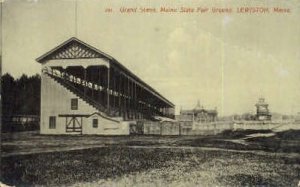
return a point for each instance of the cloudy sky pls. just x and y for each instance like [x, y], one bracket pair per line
[224, 60]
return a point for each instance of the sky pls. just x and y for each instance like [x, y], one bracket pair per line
[224, 60]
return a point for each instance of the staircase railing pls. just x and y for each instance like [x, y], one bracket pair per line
[66, 79]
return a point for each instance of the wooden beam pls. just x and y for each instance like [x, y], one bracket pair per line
[84, 88]
[108, 87]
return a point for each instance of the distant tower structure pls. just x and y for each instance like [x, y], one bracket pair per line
[198, 106]
[262, 110]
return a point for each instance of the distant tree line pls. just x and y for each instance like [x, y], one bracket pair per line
[20, 96]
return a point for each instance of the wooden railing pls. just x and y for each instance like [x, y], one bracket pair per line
[69, 80]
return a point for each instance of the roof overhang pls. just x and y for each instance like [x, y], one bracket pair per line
[113, 62]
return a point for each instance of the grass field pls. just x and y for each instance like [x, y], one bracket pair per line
[158, 161]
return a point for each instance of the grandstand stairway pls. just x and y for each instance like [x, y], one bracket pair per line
[83, 91]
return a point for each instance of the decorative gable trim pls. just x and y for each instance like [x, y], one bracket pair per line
[73, 49]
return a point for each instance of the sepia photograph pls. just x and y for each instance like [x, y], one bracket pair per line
[150, 93]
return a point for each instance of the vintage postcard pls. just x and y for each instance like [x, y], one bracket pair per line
[150, 93]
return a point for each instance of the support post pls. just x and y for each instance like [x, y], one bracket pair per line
[114, 89]
[124, 98]
[128, 104]
[93, 84]
[99, 83]
[108, 83]
[84, 88]
[135, 102]
[119, 94]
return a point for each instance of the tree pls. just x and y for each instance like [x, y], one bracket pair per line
[20, 96]
[8, 95]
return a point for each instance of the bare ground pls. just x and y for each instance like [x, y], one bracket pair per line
[32, 159]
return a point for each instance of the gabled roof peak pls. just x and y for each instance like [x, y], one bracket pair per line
[73, 48]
